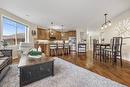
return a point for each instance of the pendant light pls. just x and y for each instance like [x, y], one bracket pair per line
[107, 23]
[50, 30]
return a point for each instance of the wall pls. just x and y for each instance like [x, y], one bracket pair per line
[93, 34]
[78, 39]
[120, 27]
[31, 27]
[90, 34]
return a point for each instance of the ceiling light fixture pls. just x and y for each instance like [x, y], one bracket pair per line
[27, 15]
[50, 30]
[62, 34]
[106, 23]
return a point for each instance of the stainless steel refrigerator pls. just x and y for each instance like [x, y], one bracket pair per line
[72, 43]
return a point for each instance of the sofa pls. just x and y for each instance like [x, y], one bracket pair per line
[5, 61]
[24, 48]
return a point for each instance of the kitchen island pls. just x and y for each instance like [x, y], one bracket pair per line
[45, 46]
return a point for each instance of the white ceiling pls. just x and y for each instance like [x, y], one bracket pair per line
[71, 13]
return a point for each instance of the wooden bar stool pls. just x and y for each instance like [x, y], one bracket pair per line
[60, 49]
[53, 49]
[66, 48]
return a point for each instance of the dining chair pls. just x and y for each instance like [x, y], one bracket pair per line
[96, 50]
[107, 51]
[118, 49]
[115, 51]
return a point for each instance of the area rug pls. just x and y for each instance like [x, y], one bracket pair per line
[66, 75]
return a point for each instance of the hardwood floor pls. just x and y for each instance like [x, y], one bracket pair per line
[108, 70]
[113, 72]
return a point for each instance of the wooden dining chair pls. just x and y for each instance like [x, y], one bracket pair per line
[118, 49]
[115, 51]
[107, 51]
[95, 48]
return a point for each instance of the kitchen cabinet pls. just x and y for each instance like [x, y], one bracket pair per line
[66, 36]
[52, 33]
[42, 34]
[72, 33]
[55, 34]
[58, 35]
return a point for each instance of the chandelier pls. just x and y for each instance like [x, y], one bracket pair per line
[106, 23]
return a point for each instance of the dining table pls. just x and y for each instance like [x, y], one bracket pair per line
[102, 45]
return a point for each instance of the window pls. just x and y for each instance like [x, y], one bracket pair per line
[13, 32]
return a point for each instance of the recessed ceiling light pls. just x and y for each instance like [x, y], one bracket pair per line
[27, 15]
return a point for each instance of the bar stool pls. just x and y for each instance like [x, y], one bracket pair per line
[60, 49]
[53, 49]
[66, 48]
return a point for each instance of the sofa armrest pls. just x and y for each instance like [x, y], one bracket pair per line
[7, 53]
[4, 62]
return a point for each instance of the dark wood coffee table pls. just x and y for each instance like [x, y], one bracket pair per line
[35, 69]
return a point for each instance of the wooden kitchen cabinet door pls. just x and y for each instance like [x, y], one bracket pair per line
[66, 36]
[58, 35]
[72, 33]
[42, 34]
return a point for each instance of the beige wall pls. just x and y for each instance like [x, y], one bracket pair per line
[90, 33]
[120, 27]
[78, 39]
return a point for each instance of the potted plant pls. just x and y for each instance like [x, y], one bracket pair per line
[4, 43]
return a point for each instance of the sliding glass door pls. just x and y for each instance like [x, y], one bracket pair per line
[13, 32]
